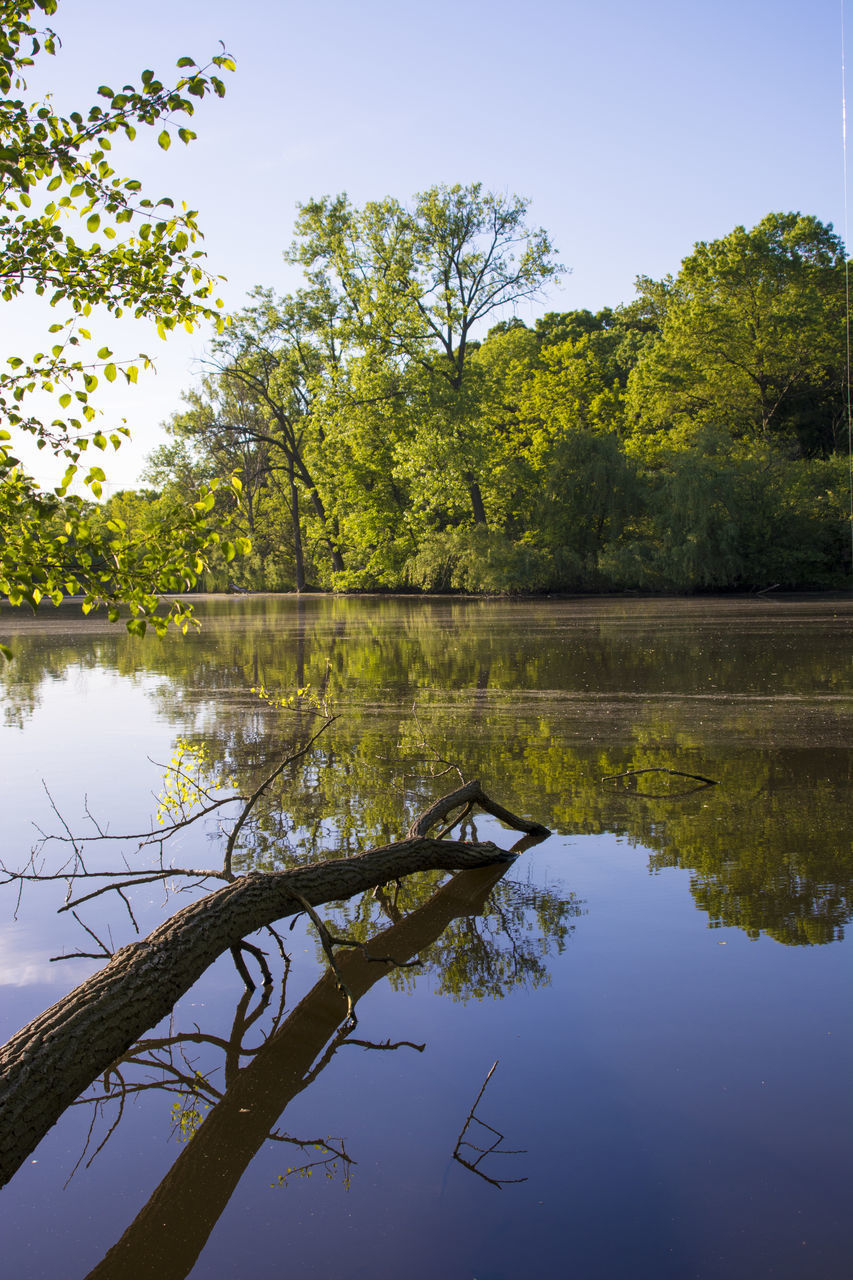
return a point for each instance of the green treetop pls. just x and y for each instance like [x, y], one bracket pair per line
[750, 338]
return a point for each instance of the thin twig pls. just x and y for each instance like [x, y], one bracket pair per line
[168, 874]
[494, 1148]
[258, 792]
[450, 765]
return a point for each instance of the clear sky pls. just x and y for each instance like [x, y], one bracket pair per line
[634, 129]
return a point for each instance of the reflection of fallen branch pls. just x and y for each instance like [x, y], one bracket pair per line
[328, 942]
[169, 1076]
[663, 795]
[169, 1233]
[494, 1148]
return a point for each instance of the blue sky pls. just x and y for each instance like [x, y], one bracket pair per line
[634, 129]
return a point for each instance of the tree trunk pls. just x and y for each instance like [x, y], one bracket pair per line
[476, 497]
[297, 530]
[319, 507]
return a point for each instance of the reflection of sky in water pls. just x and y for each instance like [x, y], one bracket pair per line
[23, 963]
[87, 741]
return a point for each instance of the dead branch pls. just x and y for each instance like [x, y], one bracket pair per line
[469, 794]
[493, 1149]
[240, 964]
[675, 773]
[385, 1044]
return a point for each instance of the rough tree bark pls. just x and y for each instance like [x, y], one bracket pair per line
[56, 1056]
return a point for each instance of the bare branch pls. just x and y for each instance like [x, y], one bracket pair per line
[494, 1148]
[241, 964]
[675, 773]
[469, 794]
[385, 1044]
[258, 792]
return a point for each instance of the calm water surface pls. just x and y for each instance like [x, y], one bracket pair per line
[663, 983]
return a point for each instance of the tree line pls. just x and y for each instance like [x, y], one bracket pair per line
[393, 423]
[393, 429]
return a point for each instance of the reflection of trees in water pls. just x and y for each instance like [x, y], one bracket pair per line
[543, 709]
[776, 861]
[504, 946]
[770, 848]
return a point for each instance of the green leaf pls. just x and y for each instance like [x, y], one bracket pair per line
[110, 373]
[93, 222]
[164, 140]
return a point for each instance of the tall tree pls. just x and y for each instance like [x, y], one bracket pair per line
[416, 283]
[220, 432]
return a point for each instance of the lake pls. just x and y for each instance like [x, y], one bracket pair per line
[663, 983]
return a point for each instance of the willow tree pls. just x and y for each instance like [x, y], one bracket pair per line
[134, 255]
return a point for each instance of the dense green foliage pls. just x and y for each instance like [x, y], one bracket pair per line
[391, 427]
[695, 439]
[133, 255]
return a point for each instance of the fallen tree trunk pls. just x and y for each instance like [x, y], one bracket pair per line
[56, 1056]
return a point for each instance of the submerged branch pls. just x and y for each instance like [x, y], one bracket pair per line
[674, 773]
[493, 1149]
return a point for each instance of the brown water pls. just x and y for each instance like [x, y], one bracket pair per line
[664, 983]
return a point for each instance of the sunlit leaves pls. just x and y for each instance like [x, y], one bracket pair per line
[190, 780]
[55, 165]
[750, 338]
